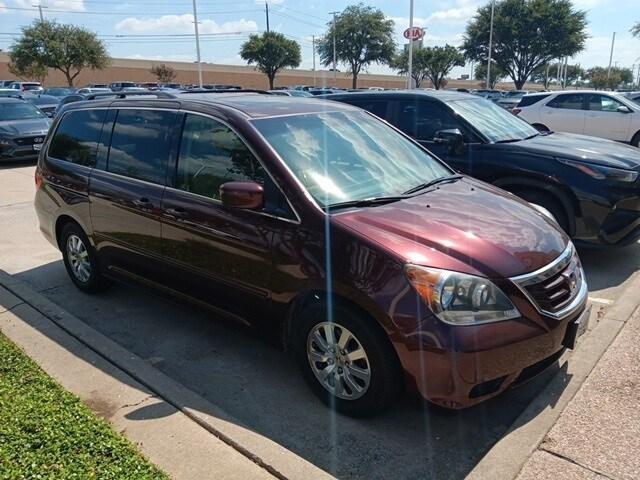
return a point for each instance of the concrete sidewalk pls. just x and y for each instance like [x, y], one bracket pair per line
[598, 435]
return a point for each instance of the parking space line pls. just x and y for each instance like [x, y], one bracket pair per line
[603, 301]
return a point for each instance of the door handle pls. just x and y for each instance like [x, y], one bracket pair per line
[176, 212]
[142, 202]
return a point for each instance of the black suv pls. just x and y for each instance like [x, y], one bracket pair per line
[591, 186]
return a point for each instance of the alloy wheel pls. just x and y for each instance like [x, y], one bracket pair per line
[78, 256]
[338, 360]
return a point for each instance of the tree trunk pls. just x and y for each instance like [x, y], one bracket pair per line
[271, 78]
[519, 83]
[69, 78]
[354, 81]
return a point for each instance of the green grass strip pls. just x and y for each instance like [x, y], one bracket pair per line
[48, 433]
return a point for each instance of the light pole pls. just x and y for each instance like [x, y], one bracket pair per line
[195, 23]
[335, 73]
[40, 7]
[313, 49]
[493, 6]
[613, 41]
[409, 79]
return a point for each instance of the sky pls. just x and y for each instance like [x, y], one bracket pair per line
[163, 29]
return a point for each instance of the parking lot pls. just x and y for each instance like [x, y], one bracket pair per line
[260, 385]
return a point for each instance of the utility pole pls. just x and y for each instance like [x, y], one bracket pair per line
[335, 73]
[40, 7]
[566, 65]
[409, 79]
[266, 9]
[313, 49]
[493, 6]
[559, 74]
[613, 41]
[195, 23]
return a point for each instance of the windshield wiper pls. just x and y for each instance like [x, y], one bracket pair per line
[509, 140]
[424, 186]
[367, 202]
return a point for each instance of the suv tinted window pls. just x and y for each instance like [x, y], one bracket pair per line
[421, 120]
[571, 101]
[140, 144]
[212, 154]
[531, 99]
[603, 103]
[76, 137]
[377, 107]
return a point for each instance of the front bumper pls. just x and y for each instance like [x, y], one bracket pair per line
[15, 151]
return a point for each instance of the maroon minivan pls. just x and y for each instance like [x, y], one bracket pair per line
[324, 227]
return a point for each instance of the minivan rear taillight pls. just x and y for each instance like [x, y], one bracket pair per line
[515, 111]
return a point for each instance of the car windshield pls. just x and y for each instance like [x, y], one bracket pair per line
[347, 156]
[19, 111]
[43, 100]
[493, 122]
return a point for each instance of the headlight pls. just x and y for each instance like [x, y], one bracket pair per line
[460, 299]
[602, 173]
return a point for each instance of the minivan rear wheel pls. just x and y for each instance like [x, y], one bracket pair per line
[81, 260]
[346, 360]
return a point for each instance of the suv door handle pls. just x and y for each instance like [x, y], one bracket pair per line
[176, 212]
[142, 202]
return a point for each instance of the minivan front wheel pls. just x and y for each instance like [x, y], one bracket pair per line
[80, 260]
[346, 360]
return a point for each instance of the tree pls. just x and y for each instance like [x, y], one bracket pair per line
[600, 77]
[545, 75]
[67, 48]
[418, 68]
[31, 72]
[433, 63]
[635, 30]
[497, 74]
[363, 36]
[164, 73]
[526, 35]
[271, 52]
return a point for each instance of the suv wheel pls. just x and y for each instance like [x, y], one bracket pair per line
[347, 361]
[635, 141]
[80, 260]
[549, 203]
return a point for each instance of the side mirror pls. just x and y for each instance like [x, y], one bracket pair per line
[450, 137]
[246, 195]
[623, 109]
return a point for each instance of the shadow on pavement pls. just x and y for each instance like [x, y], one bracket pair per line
[620, 264]
[261, 387]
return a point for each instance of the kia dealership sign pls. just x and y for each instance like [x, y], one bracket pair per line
[415, 33]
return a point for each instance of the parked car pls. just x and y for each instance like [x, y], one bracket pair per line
[23, 128]
[589, 185]
[59, 91]
[10, 92]
[493, 95]
[635, 96]
[599, 114]
[97, 85]
[26, 86]
[511, 99]
[117, 86]
[88, 90]
[291, 93]
[149, 85]
[47, 103]
[429, 278]
[6, 83]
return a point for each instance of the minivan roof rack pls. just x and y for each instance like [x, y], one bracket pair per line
[93, 96]
[226, 90]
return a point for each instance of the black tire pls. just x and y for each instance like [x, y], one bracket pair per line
[635, 141]
[94, 282]
[548, 202]
[385, 381]
[540, 127]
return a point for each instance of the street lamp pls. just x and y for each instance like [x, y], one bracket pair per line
[493, 5]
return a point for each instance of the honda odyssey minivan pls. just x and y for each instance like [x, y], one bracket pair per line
[371, 260]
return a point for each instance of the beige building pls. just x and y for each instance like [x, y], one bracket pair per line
[140, 71]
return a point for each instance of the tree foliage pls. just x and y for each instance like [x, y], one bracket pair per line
[271, 52]
[363, 36]
[433, 63]
[67, 48]
[546, 76]
[496, 74]
[30, 72]
[164, 73]
[600, 77]
[635, 30]
[526, 34]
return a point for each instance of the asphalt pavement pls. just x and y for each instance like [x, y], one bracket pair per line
[260, 385]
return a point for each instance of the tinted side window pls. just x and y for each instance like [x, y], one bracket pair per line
[421, 120]
[571, 101]
[140, 144]
[212, 154]
[377, 107]
[76, 137]
[603, 103]
[531, 99]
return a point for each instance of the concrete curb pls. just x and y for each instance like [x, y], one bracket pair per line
[274, 458]
[507, 457]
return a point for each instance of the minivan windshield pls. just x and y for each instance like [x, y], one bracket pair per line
[493, 122]
[348, 156]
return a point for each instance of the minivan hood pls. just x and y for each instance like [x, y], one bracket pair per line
[594, 150]
[16, 128]
[467, 226]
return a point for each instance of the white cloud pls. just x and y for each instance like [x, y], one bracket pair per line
[182, 24]
[598, 48]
